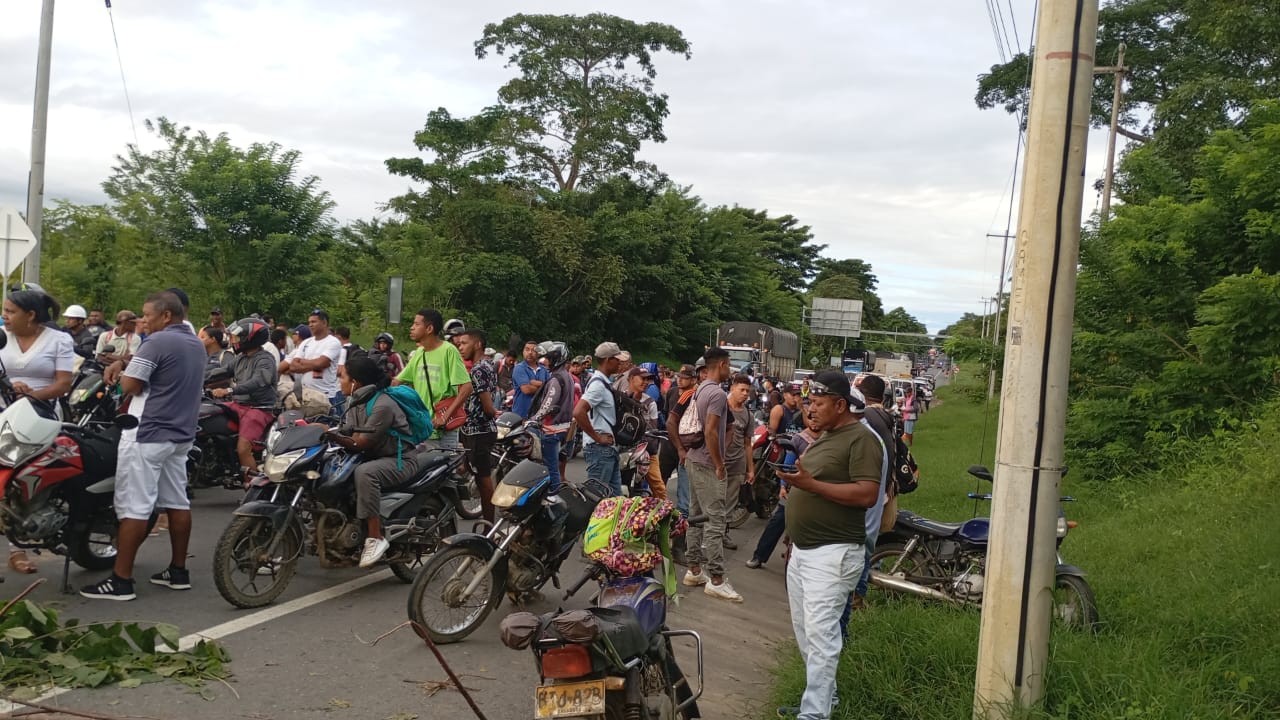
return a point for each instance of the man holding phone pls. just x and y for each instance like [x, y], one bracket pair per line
[834, 483]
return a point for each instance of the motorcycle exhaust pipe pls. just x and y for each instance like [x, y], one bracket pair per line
[892, 582]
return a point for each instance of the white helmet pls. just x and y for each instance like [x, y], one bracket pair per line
[452, 327]
[75, 311]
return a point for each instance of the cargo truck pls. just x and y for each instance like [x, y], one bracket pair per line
[893, 367]
[766, 349]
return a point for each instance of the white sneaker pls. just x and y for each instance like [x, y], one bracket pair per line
[693, 579]
[374, 549]
[724, 591]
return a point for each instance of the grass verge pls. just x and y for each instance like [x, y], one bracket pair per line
[1185, 564]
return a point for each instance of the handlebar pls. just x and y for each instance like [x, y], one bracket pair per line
[697, 519]
[592, 571]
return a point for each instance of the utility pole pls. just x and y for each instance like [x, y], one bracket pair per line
[1116, 98]
[995, 337]
[1013, 648]
[985, 316]
[39, 127]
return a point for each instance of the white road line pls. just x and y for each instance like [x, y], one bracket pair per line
[231, 627]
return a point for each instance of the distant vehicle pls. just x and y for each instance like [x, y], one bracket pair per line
[767, 349]
[893, 367]
[800, 376]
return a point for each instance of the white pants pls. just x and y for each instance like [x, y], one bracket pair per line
[150, 475]
[819, 581]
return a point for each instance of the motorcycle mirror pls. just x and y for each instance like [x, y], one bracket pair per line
[126, 421]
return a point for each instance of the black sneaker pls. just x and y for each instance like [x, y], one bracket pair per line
[174, 578]
[113, 588]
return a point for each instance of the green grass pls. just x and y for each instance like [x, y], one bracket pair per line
[1185, 564]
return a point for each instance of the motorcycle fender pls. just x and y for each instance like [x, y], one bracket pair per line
[485, 547]
[103, 486]
[1063, 569]
[279, 514]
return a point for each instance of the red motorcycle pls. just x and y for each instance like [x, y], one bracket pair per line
[767, 450]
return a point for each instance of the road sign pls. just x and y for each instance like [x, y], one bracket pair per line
[835, 317]
[18, 239]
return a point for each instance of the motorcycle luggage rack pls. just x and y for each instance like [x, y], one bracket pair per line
[697, 639]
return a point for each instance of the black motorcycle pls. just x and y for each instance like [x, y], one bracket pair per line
[462, 583]
[946, 562]
[217, 434]
[304, 502]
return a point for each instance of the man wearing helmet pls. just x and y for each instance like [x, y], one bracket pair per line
[253, 395]
[382, 346]
[83, 341]
[553, 406]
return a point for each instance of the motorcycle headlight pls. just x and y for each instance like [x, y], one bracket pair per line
[276, 466]
[13, 452]
[1062, 526]
[504, 496]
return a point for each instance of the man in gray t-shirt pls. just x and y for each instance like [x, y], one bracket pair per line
[708, 481]
[163, 385]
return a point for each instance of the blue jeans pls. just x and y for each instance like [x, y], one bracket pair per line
[772, 534]
[551, 457]
[860, 590]
[603, 467]
[338, 403]
[682, 489]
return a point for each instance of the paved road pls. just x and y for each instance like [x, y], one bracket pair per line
[308, 657]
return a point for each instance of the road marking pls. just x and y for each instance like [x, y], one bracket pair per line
[217, 632]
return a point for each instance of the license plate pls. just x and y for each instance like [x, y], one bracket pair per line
[569, 699]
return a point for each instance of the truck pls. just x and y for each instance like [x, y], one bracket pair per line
[893, 367]
[766, 349]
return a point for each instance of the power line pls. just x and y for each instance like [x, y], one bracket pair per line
[120, 61]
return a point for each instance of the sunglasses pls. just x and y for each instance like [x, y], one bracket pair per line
[817, 388]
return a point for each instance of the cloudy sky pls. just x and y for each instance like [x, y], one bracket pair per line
[856, 117]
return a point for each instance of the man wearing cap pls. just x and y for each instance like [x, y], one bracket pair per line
[121, 341]
[639, 379]
[316, 360]
[835, 482]
[82, 339]
[596, 413]
[215, 319]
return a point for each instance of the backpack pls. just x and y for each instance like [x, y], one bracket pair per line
[415, 412]
[905, 473]
[692, 435]
[629, 422]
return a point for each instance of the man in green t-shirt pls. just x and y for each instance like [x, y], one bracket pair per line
[437, 373]
[835, 481]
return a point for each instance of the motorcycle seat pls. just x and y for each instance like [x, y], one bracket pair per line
[927, 526]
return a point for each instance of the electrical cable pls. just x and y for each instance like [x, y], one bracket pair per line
[120, 61]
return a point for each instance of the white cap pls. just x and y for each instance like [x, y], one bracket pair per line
[75, 311]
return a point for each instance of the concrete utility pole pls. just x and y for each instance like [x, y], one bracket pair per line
[1116, 98]
[39, 127]
[1013, 649]
[995, 337]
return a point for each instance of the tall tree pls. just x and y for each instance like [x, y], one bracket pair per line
[575, 116]
[899, 320]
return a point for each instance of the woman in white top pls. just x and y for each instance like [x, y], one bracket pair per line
[37, 359]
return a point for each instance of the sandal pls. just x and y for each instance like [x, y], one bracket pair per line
[20, 563]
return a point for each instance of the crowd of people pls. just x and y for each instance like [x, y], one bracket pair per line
[833, 490]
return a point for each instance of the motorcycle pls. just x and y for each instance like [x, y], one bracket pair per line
[217, 433]
[946, 561]
[462, 583]
[91, 401]
[613, 660]
[304, 502]
[761, 496]
[634, 463]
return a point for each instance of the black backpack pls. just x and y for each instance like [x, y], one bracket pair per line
[905, 474]
[629, 423]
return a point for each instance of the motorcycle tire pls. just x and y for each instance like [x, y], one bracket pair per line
[1074, 605]
[406, 572]
[889, 559]
[236, 551]
[436, 580]
[738, 516]
[93, 555]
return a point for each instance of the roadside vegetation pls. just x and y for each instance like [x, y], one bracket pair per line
[1184, 560]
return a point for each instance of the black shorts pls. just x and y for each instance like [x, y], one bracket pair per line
[480, 452]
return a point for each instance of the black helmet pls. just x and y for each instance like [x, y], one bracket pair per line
[249, 334]
[556, 353]
[385, 337]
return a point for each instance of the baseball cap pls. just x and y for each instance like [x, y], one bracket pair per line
[637, 370]
[302, 331]
[606, 350]
[624, 356]
[687, 372]
[125, 316]
[836, 383]
[216, 311]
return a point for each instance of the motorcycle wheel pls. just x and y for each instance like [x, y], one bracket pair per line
[890, 560]
[738, 516]
[241, 551]
[434, 602]
[1073, 603]
[95, 548]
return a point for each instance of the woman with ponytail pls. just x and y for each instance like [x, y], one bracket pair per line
[38, 360]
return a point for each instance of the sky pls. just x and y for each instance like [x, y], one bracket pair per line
[855, 117]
